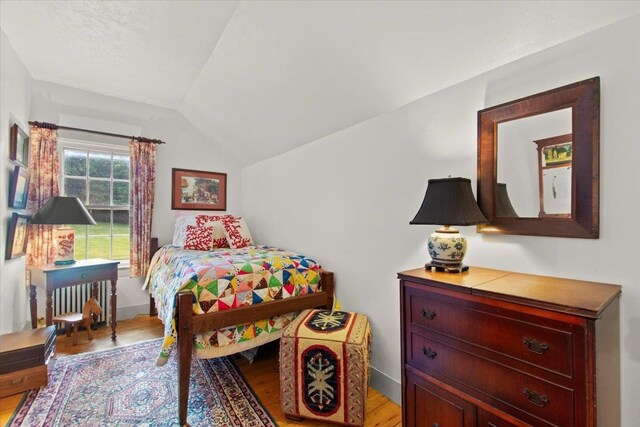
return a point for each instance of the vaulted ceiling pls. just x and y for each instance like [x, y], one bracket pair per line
[265, 77]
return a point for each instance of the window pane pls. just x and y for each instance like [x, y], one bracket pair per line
[120, 167]
[103, 222]
[100, 234]
[75, 163]
[81, 245]
[80, 230]
[121, 247]
[120, 193]
[121, 222]
[80, 241]
[99, 165]
[99, 192]
[76, 187]
[100, 247]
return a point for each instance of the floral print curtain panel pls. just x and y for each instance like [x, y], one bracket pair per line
[143, 185]
[45, 169]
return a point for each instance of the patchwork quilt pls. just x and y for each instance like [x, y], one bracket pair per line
[223, 279]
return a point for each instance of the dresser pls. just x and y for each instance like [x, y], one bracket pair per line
[494, 348]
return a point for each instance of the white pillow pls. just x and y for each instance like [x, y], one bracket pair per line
[180, 229]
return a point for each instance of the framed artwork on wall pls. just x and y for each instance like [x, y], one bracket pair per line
[19, 146]
[198, 190]
[19, 188]
[17, 236]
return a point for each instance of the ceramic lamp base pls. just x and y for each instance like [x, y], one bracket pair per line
[65, 245]
[447, 248]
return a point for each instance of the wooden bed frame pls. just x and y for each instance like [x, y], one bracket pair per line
[189, 324]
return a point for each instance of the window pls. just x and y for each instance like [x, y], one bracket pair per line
[98, 174]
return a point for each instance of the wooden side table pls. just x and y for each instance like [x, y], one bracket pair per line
[50, 277]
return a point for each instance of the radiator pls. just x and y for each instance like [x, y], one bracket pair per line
[71, 299]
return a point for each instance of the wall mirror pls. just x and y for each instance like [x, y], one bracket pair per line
[538, 163]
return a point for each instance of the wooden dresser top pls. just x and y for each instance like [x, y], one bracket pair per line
[26, 339]
[588, 299]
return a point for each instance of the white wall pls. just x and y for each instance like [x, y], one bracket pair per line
[347, 198]
[186, 148]
[15, 86]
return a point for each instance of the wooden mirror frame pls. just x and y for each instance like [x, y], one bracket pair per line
[584, 99]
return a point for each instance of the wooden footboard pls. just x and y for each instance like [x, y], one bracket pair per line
[188, 324]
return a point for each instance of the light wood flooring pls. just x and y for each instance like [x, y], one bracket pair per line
[262, 375]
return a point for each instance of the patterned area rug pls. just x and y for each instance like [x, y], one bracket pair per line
[123, 387]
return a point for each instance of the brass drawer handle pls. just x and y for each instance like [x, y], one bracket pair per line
[535, 346]
[435, 425]
[428, 314]
[490, 424]
[429, 353]
[536, 398]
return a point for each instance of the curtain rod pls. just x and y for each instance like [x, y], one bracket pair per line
[117, 135]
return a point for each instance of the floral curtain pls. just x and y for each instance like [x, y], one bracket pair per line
[45, 169]
[143, 185]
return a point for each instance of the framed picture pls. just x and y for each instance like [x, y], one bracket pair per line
[198, 190]
[19, 146]
[17, 236]
[19, 188]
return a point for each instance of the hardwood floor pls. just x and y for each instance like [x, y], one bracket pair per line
[262, 375]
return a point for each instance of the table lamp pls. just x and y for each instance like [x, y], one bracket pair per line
[447, 202]
[63, 211]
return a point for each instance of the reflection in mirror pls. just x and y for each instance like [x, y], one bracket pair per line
[504, 208]
[555, 157]
[537, 187]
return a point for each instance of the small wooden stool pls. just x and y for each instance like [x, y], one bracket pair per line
[75, 319]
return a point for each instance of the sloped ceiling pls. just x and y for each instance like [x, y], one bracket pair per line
[142, 51]
[265, 77]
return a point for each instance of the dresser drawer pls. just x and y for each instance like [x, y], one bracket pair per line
[490, 381]
[488, 419]
[528, 341]
[25, 379]
[429, 405]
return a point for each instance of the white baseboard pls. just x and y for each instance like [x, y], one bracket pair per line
[386, 385]
[123, 313]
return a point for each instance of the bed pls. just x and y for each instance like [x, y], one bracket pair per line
[178, 282]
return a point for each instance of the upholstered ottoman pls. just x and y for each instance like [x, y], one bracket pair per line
[324, 366]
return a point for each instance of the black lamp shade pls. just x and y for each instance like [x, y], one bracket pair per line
[504, 208]
[449, 201]
[63, 210]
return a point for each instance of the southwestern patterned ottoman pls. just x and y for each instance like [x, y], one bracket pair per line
[324, 366]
